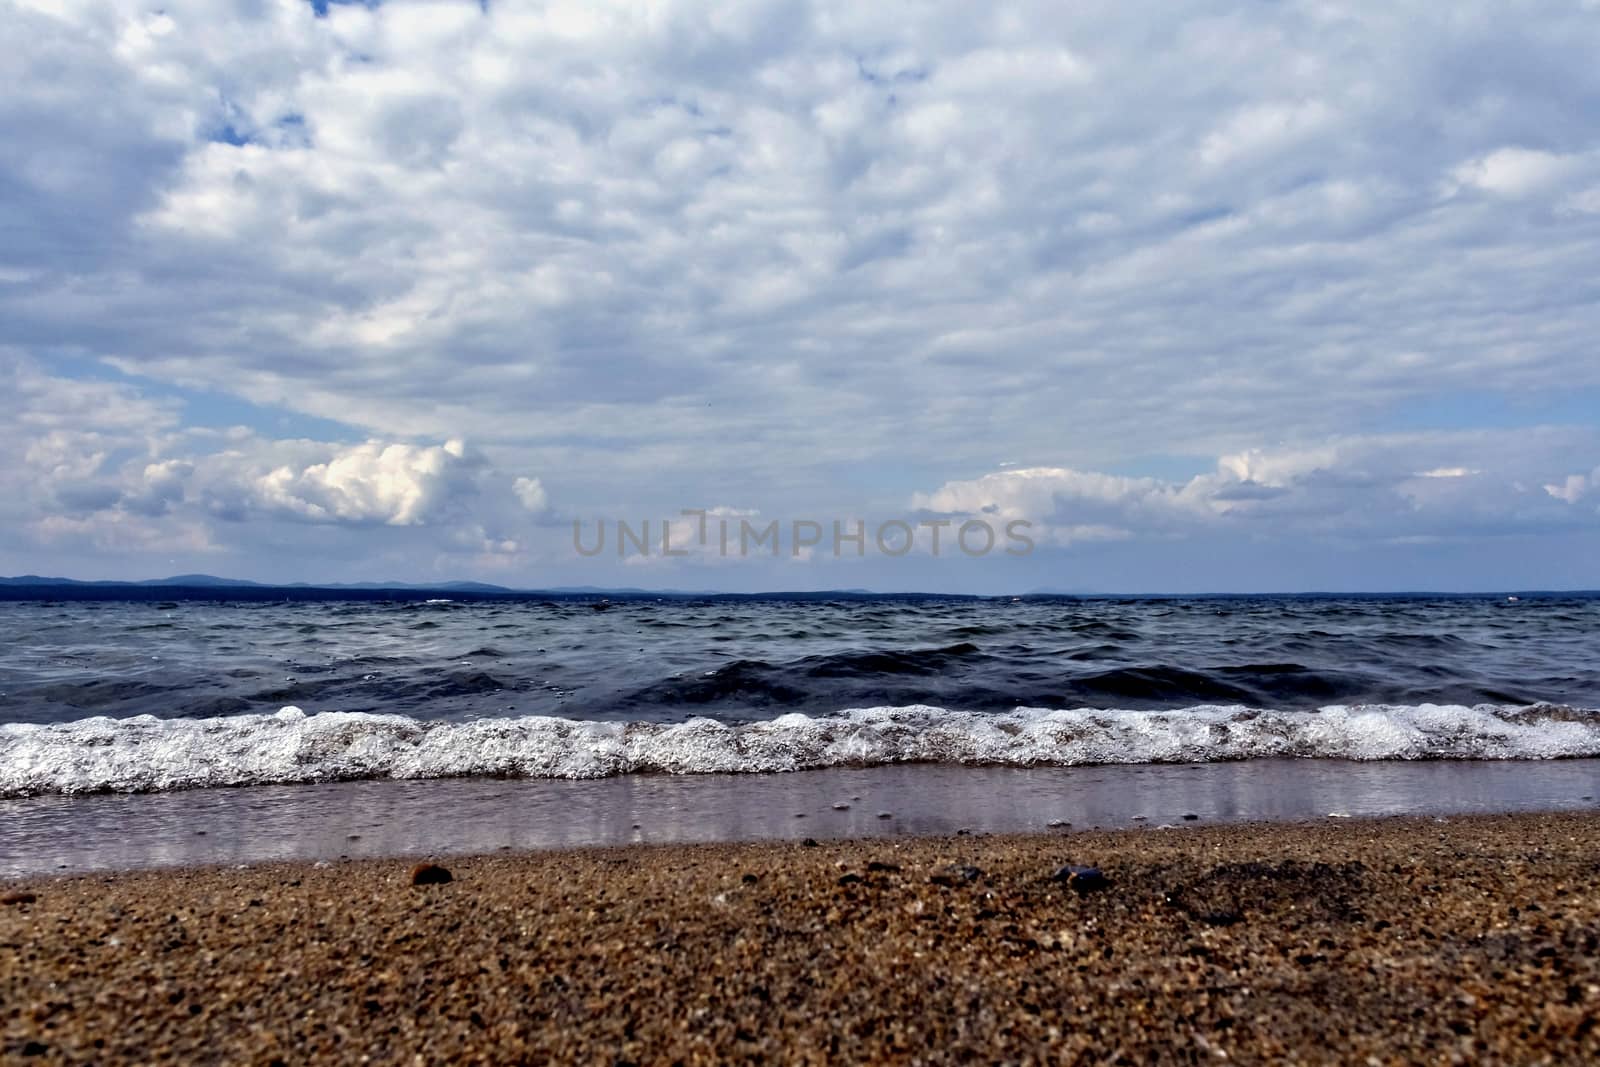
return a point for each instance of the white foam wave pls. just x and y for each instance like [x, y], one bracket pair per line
[149, 753]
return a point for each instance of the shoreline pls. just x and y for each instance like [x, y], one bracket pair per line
[396, 817]
[1433, 939]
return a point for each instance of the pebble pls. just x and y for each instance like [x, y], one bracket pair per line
[1082, 879]
[430, 874]
[1221, 918]
[961, 874]
[841, 806]
[21, 897]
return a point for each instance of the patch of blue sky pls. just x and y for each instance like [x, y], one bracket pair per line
[228, 133]
[1487, 410]
[289, 131]
[203, 408]
[321, 6]
[218, 410]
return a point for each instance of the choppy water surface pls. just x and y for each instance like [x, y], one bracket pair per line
[98, 696]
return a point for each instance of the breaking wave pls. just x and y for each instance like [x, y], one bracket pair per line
[147, 753]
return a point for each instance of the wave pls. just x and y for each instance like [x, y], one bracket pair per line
[147, 753]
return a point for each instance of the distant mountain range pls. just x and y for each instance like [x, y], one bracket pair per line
[35, 587]
[211, 581]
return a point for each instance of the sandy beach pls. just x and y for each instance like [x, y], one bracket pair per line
[1405, 940]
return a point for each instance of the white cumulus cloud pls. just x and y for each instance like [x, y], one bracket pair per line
[1366, 488]
[400, 485]
[1575, 487]
[530, 493]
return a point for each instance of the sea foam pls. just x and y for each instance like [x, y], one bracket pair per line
[150, 754]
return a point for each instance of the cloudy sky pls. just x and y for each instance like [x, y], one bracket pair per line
[1217, 295]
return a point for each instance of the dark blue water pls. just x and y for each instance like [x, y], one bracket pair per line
[666, 661]
[148, 695]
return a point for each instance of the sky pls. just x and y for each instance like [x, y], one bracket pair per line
[1210, 296]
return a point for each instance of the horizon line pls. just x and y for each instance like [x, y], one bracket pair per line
[473, 587]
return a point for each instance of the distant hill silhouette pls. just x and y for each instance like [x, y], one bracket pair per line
[211, 587]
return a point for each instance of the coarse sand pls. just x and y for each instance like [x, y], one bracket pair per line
[1390, 941]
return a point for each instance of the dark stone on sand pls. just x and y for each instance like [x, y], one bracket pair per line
[809, 842]
[20, 897]
[1190, 817]
[1056, 824]
[841, 807]
[750, 879]
[885, 814]
[429, 874]
[879, 865]
[1314, 891]
[849, 879]
[1082, 879]
[963, 874]
[34, 1048]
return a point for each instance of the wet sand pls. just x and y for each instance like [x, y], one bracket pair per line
[397, 817]
[1402, 940]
